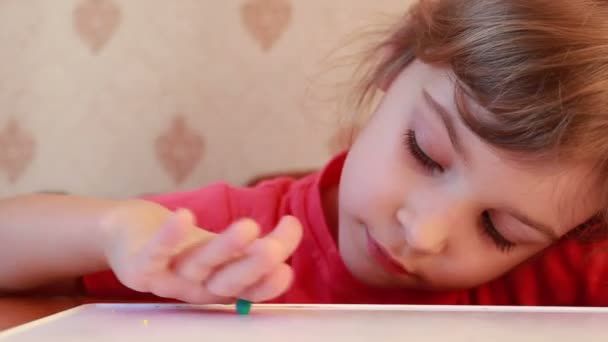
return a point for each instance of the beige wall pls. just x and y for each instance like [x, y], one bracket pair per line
[123, 97]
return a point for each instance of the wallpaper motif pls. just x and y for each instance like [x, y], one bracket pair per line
[179, 149]
[266, 20]
[95, 22]
[17, 149]
[57, 76]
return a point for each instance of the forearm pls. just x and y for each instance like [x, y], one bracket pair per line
[50, 238]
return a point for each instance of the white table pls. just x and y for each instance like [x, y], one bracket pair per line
[295, 323]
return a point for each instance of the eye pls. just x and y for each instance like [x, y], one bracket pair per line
[488, 228]
[422, 158]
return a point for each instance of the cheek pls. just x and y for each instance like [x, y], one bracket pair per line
[357, 188]
[476, 265]
[377, 173]
[373, 182]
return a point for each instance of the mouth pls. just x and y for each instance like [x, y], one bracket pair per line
[383, 258]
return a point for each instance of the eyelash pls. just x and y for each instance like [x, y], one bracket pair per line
[423, 159]
[487, 226]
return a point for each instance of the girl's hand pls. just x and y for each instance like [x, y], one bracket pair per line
[151, 249]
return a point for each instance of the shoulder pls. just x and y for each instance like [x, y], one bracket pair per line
[570, 273]
[217, 205]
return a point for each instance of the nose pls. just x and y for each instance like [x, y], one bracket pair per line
[427, 229]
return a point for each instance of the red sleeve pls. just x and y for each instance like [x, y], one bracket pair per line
[569, 274]
[215, 207]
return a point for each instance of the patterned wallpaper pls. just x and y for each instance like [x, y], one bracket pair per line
[123, 97]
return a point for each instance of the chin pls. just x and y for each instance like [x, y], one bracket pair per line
[366, 272]
[359, 266]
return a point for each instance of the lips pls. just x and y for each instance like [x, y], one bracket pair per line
[384, 258]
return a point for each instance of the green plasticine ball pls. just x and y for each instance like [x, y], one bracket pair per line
[243, 307]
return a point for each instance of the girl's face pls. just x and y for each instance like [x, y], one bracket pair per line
[424, 203]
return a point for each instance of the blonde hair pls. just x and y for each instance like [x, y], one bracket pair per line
[540, 67]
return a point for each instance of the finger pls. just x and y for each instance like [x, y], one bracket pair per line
[263, 256]
[271, 286]
[288, 234]
[203, 260]
[170, 286]
[172, 233]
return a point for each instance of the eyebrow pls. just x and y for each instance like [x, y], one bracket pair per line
[448, 122]
[450, 126]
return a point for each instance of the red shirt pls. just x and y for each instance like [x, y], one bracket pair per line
[568, 273]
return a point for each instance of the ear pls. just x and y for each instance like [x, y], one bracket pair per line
[387, 53]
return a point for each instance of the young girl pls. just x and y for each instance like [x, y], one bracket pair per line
[472, 183]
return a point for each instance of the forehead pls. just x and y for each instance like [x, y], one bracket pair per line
[561, 193]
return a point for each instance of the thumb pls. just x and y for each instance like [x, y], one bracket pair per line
[171, 234]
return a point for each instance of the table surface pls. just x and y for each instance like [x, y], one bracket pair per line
[16, 311]
[19, 310]
[299, 323]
